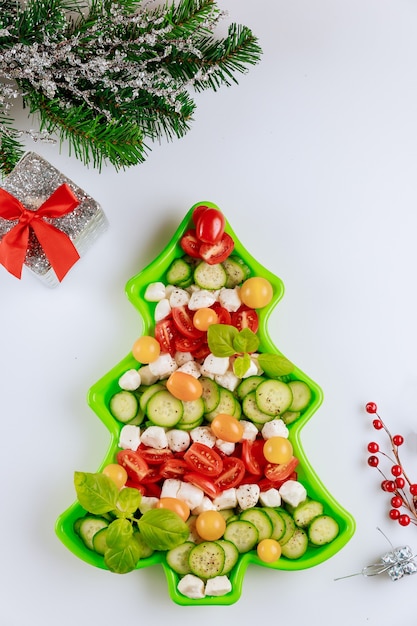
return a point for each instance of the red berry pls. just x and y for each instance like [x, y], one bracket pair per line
[373, 461]
[371, 407]
[373, 447]
[404, 520]
[389, 485]
[396, 502]
[377, 424]
[396, 470]
[394, 514]
[398, 440]
[399, 482]
[413, 489]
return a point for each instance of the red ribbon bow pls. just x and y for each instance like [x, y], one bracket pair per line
[58, 247]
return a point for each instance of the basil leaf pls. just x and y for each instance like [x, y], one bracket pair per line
[246, 341]
[162, 529]
[96, 493]
[220, 339]
[123, 560]
[119, 533]
[127, 502]
[275, 365]
[241, 365]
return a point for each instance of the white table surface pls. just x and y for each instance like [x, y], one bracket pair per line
[313, 159]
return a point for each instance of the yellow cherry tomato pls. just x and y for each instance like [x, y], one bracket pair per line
[256, 292]
[116, 473]
[205, 317]
[184, 386]
[146, 349]
[176, 505]
[210, 525]
[278, 450]
[227, 427]
[268, 550]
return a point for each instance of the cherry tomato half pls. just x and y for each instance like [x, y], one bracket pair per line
[184, 386]
[202, 482]
[203, 459]
[190, 244]
[173, 468]
[227, 427]
[217, 252]
[209, 225]
[245, 317]
[256, 292]
[253, 457]
[176, 505]
[223, 315]
[198, 211]
[210, 525]
[146, 349]
[155, 456]
[135, 465]
[165, 334]
[279, 472]
[232, 473]
[183, 320]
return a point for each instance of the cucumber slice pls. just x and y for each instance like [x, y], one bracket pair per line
[288, 417]
[252, 411]
[323, 529]
[273, 397]
[178, 558]
[260, 520]
[290, 526]
[210, 277]
[163, 409]
[227, 404]
[99, 541]
[296, 546]
[89, 526]
[148, 393]
[278, 523]
[243, 534]
[305, 512]
[301, 395]
[190, 426]
[179, 272]
[236, 271]
[231, 555]
[211, 393]
[124, 406]
[247, 385]
[193, 411]
[206, 559]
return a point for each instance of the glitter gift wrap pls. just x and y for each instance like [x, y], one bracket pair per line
[32, 183]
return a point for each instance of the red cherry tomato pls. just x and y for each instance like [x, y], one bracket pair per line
[217, 252]
[224, 316]
[201, 352]
[151, 476]
[190, 244]
[174, 468]
[165, 334]
[198, 211]
[202, 482]
[245, 318]
[232, 473]
[277, 472]
[252, 456]
[183, 320]
[134, 464]
[203, 459]
[155, 456]
[209, 225]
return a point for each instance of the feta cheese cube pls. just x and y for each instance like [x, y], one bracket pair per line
[247, 495]
[170, 488]
[293, 492]
[229, 380]
[252, 370]
[162, 310]
[179, 297]
[203, 434]
[216, 365]
[155, 292]
[218, 586]
[146, 376]
[192, 495]
[183, 357]
[200, 299]
[206, 505]
[191, 586]
[227, 447]
[129, 438]
[250, 432]
[270, 497]
[163, 366]
[155, 437]
[147, 503]
[178, 440]
[192, 368]
[274, 428]
[130, 380]
[229, 299]
[226, 500]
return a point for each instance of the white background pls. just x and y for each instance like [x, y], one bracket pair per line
[313, 160]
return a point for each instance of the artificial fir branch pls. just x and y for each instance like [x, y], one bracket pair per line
[112, 76]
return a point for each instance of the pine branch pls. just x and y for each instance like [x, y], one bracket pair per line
[11, 150]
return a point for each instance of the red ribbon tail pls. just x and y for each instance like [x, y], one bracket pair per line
[13, 248]
[59, 249]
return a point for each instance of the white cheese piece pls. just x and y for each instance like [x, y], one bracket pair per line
[293, 492]
[155, 437]
[203, 434]
[226, 500]
[253, 369]
[250, 432]
[192, 495]
[247, 495]
[270, 498]
[170, 488]
[163, 366]
[229, 299]
[192, 368]
[206, 505]
[274, 428]
[200, 299]
[191, 586]
[178, 440]
[183, 357]
[215, 365]
[147, 503]
[178, 297]
[155, 292]
[146, 376]
[229, 380]
[218, 586]
[130, 380]
[129, 438]
[162, 310]
[227, 447]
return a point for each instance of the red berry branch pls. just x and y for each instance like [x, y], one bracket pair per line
[403, 491]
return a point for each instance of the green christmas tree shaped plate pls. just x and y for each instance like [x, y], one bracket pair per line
[314, 526]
